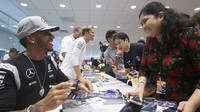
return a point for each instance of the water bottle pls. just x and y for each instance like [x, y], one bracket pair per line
[100, 82]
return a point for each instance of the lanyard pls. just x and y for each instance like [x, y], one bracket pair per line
[160, 58]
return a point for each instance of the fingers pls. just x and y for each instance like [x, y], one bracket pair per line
[141, 97]
[86, 86]
[82, 87]
[89, 85]
[135, 93]
[127, 95]
[114, 68]
[60, 90]
[56, 96]
[63, 84]
[62, 96]
[53, 101]
[59, 93]
[119, 52]
[181, 105]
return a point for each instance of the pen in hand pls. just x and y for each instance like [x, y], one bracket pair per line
[64, 87]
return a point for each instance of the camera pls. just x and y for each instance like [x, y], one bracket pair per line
[102, 47]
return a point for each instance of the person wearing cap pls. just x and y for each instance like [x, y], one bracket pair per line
[25, 79]
[67, 41]
[73, 60]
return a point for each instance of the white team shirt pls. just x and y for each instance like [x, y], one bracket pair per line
[66, 42]
[6, 57]
[74, 57]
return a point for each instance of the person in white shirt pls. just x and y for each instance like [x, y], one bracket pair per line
[12, 53]
[73, 60]
[67, 41]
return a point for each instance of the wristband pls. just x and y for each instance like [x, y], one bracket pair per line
[142, 81]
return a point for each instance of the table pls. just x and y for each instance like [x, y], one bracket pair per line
[112, 84]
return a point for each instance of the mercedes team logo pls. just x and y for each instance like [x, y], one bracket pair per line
[30, 73]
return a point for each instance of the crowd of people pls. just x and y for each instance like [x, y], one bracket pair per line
[169, 59]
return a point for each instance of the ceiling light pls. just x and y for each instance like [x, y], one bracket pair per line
[167, 7]
[133, 7]
[3, 26]
[24, 4]
[118, 26]
[95, 26]
[15, 26]
[59, 37]
[98, 6]
[14, 44]
[142, 38]
[62, 5]
[196, 9]
[71, 26]
[140, 26]
[10, 37]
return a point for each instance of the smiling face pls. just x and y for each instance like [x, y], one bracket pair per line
[44, 40]
[151, 25]
[90, 35]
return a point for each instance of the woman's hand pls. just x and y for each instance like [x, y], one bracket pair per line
[138, 92]
[186, 106]
[192, 104]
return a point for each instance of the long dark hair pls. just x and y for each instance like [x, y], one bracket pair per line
[171, 24]
[196, 18]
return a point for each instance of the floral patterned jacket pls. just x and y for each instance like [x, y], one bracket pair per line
[180, 67]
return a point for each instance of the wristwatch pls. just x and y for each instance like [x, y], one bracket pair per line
[117, 57]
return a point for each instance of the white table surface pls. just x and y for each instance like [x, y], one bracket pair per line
[112, 84]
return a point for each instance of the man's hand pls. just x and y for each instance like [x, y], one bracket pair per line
[55, 97]
[86, 85]
[114, 69]
[119, 52]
